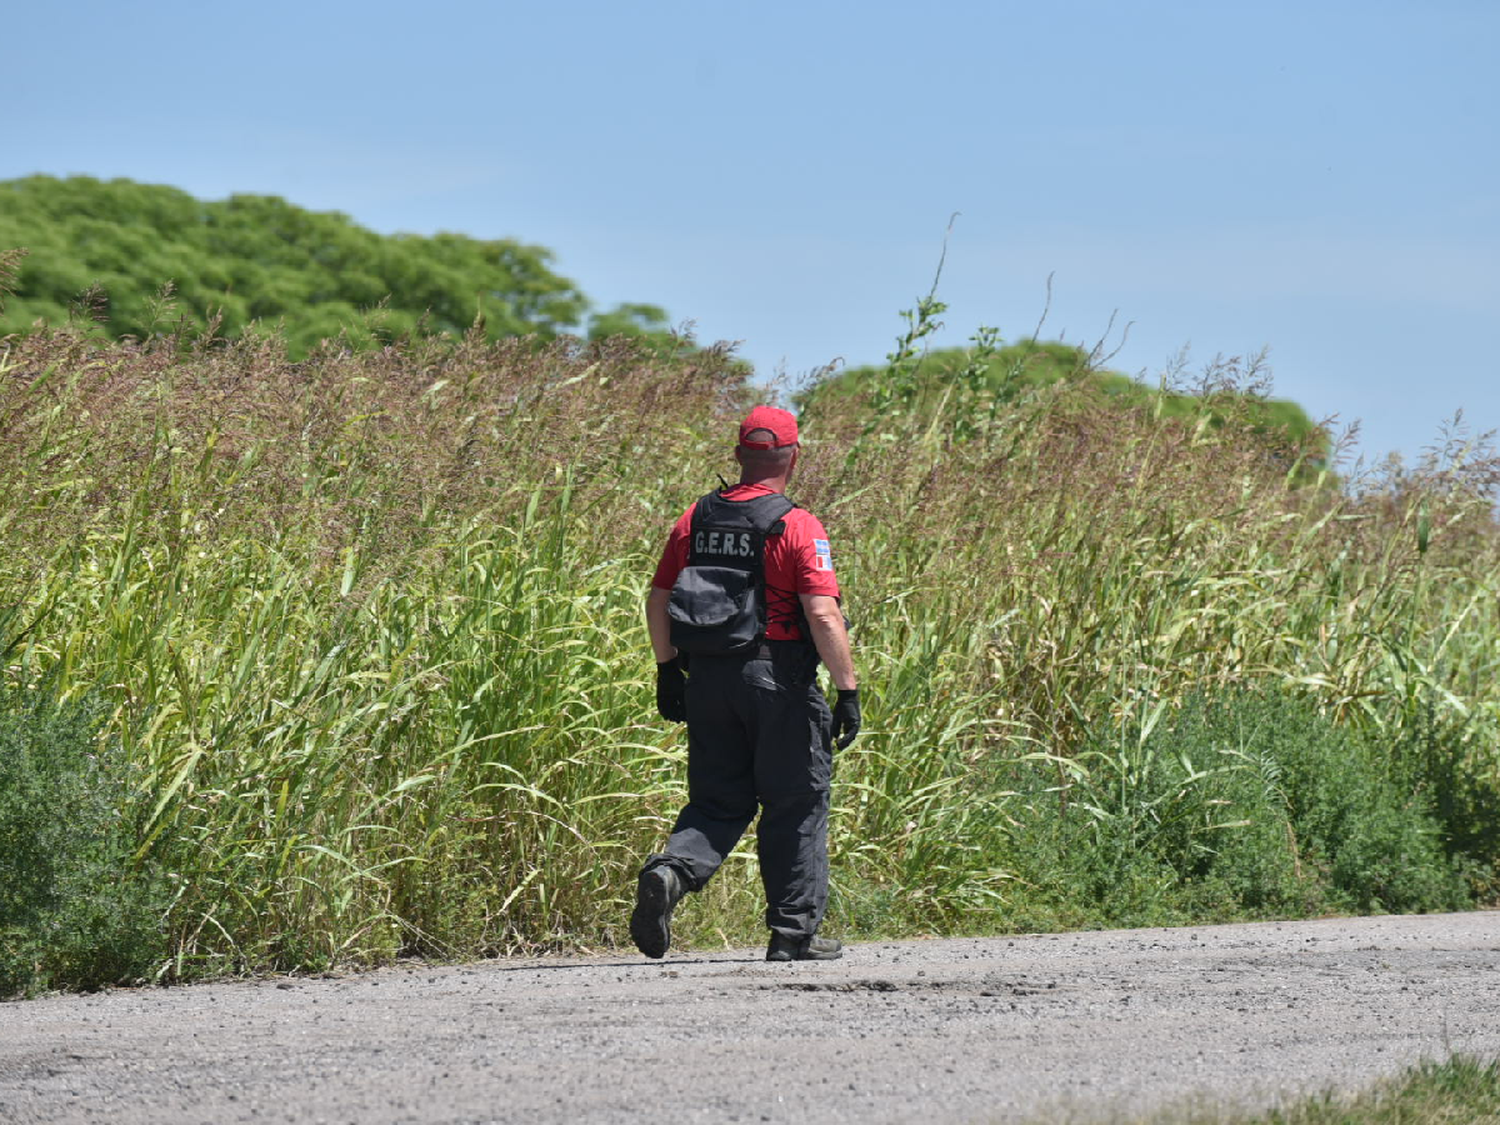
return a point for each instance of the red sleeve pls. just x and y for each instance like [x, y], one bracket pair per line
[674, 556]
[806, 558]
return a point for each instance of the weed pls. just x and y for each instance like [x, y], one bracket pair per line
[1243, 805]
[1461, 1088]
[76, 907]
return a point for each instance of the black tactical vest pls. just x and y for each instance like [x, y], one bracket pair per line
[718, 604]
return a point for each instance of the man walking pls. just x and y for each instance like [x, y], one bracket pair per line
[745, 600]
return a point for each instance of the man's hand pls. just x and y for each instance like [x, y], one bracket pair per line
[671, 692]
[846, 718]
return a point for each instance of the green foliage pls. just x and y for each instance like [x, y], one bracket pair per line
[1461, 1088]
[76, 910]
[159, 259]
[1432, 757]
[369, 629]
[1240, 805]
[973, 386]
[630, 320]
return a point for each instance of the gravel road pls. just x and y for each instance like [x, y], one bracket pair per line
[1044, 1027]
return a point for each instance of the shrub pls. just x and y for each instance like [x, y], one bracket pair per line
[1241, 804]
[1435, 757]
[75, 910]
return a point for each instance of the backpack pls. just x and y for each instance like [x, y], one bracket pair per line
[718, 603]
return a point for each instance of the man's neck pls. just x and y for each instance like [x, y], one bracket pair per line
[775, 484]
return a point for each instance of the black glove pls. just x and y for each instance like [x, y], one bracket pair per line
[846, 718]
[671, 691]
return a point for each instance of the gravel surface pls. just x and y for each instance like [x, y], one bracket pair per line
[1045, 1027]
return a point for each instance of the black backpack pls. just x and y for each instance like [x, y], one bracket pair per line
[718, 603]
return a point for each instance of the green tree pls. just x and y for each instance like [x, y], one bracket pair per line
[1231, 393]
[631, 320]
[259, 257]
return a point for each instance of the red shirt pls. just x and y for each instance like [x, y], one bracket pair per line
[798, 561]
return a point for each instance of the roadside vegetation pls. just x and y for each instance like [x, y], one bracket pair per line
[1460, 1089]
[324, 659]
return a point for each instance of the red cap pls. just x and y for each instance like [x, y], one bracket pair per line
[782, 425]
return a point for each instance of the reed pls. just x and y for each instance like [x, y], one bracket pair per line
[368, 631]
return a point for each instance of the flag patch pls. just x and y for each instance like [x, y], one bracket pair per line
[823, 556]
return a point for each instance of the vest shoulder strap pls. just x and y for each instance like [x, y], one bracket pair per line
[765, 514]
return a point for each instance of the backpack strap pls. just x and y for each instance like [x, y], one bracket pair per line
[776, 527]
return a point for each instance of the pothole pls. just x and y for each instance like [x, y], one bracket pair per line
[977, 988]
[837, 986]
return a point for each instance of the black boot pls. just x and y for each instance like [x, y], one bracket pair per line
[657, 892]
[812, 948]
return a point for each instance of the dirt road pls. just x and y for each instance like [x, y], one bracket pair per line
[1048, 1027]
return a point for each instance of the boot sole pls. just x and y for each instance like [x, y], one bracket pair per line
[804, 957]
[650, 921]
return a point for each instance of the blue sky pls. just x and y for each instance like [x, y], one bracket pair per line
[1318, 178]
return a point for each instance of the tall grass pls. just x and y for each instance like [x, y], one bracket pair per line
[1460, 1088]
[368, 628]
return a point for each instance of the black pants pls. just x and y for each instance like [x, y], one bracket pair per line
[759, 734]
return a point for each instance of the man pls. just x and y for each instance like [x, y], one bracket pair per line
[760, 731]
